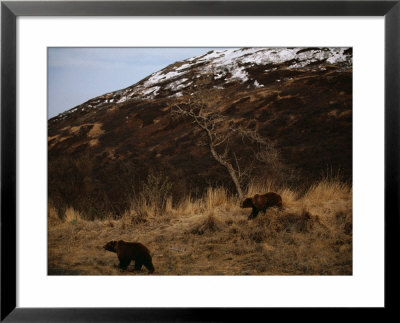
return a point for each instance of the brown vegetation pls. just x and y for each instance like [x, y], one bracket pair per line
[163, 170]
[96, 157]
[312, 235]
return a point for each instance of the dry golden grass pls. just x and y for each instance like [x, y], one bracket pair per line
[96, 131]
[312, 235]
[94, 142]
[72, 216]
[52, 216]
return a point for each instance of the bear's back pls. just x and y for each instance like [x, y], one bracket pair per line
[269, 199]
[131, 249]
[273, 199]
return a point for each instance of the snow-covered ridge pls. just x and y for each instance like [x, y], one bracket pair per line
[228, 65]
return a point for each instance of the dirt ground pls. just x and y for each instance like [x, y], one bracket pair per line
[312, 235]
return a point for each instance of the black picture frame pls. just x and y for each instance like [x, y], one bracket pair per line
[10, 10]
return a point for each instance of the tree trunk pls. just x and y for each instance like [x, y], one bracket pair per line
[230, 169]
[218, 158]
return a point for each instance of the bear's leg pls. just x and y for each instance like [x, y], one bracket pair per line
[138, 265]
[124, 262]
[149, 266]
[253, 213]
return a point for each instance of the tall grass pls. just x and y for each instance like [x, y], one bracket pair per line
[72, 216]
[311, 235]
[154, 194]
[155, 200]
[52, 215]
[215, 197]
[328, 190]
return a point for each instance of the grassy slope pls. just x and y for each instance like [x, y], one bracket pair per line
[312, 235]
[97, 155]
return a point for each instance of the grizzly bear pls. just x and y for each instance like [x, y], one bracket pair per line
[127, 251]
[261, 203]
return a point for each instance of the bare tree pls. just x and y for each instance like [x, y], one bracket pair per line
[222, 132]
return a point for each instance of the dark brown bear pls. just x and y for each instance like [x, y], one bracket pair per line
[127, 251]
[262, 203]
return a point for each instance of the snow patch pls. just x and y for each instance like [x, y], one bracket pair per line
[123, 99]
[239, 74]
[228, 65]
[218, 87]
[160, 76]
[176, 95]
[184, 66]
[152, 92]
[257, 85]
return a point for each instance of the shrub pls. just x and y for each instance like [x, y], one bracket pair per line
[72, 216]
[153, 196]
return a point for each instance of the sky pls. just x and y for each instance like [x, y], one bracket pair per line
[76, 75]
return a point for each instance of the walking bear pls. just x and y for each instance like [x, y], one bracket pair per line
[261, 203]
[128, 251]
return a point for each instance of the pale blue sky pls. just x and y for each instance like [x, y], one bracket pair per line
[76, 75]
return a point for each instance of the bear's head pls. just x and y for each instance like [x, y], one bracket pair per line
[248, 202]
[110, 246]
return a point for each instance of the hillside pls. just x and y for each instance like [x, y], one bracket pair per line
[163, 162]
[101, 152]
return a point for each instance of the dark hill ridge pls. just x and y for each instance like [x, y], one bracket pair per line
[301, 98]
